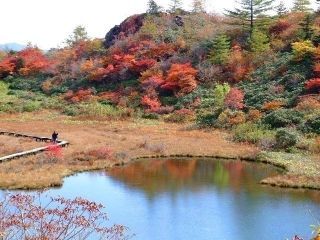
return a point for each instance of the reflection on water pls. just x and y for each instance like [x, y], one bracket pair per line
[197, 200]
[154, 177]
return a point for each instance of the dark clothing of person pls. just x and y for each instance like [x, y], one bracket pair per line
[54, 137]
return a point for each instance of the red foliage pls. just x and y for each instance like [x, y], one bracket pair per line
[280, 26]
[181, 79]
[152, 78]
[234, 99]
[161, 50]
[113, 97]
[313, 85]
[54, 151]
[79, 96]
[238, 65]
[33, 61]
[153, 104]
[38, 216]
[8, 65]
[139, 66]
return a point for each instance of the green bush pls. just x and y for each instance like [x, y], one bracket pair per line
[282, 118]
[26, 84]
[312, 125]
[252, 133]
[96, 109]
[31, 106]
[71, 110]
[286, 138]
[207, 118]
[9, 107]
[150, 116]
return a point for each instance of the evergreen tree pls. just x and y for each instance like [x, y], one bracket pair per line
[301, 6]
[198, 6]
[259, 42]
[220, 50]
[306, 25]
[175, 5]
[281, 9]
[153, 7]
[250, 12]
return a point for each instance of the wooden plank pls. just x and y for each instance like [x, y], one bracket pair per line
[60, 143]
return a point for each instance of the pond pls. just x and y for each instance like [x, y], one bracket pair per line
[198, 199]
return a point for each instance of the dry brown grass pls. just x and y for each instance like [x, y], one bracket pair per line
[10, 145]
[127, 139]
[91, 142]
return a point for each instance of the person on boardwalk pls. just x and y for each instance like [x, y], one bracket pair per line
[54, 137]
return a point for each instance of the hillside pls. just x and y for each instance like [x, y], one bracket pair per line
[183, 67]
[11, 46]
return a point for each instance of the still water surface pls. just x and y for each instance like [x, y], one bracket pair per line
[197, 200]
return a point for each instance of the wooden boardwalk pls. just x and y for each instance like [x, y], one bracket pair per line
[29, 152]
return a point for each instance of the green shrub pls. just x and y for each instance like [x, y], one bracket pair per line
[286, 138]
[312, 125]
[96, 109]
[150, 116]
[252, 133]
[31, 106]
[283, 118]
[71, 110]
[26, 84]
[9, 107]
[207, 118]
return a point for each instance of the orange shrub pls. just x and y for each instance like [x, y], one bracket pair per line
[181, 79]
[238, 65]
[152, 104]
[33, 61]
[79, 96]
[254, 115]
[308, 104]
[316, 145]
[273, 105]
[8, 65]
[237, 119]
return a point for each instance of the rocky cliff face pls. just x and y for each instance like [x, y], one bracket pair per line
[129, 26]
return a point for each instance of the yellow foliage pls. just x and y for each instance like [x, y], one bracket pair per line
[302, 49]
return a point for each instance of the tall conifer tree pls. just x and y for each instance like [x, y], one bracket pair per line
[249, 11]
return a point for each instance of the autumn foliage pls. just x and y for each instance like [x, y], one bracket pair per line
[313, 85]
[234, 99]
[181, 79]
[37, 216]
[30, 61]
[78, 96]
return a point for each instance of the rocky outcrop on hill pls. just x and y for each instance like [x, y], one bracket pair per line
[129, 26]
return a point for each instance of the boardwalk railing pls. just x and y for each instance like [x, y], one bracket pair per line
[29, 152]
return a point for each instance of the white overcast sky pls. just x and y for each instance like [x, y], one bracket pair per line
[47, 23]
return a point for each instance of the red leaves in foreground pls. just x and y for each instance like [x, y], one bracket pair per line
[54, 152]
[313, 85]
[36, 216]
[234, 99]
